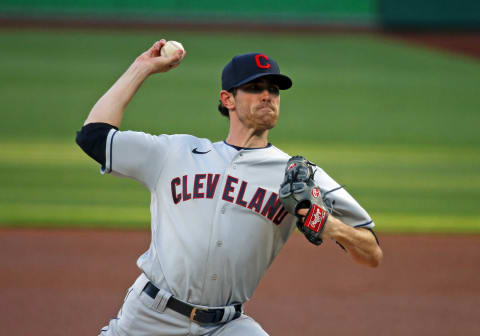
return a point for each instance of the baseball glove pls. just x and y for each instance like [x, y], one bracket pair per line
[299, 191]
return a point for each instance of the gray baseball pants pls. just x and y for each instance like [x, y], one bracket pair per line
[141, 315]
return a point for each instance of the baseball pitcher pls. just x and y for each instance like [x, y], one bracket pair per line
[220, 211]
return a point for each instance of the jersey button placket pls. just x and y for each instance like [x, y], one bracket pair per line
[213, 268]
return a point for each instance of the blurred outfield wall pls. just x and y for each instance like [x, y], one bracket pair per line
[305, 11]
[417, 14]
[430, 14]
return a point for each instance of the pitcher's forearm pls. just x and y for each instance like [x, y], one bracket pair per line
[361, 244]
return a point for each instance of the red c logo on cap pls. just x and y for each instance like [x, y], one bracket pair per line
[260, 65]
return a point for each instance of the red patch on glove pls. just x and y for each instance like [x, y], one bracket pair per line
[316, 218]
[291, 166]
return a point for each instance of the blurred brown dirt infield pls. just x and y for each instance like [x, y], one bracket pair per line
[71, 282]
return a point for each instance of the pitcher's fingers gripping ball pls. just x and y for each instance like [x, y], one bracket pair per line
[155, 62]
[170, 48]
[299, 191]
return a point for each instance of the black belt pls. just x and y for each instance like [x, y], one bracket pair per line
[194, 313]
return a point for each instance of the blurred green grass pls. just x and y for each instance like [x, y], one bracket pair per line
[396, 124]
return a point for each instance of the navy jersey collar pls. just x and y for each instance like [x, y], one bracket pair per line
[246, 148]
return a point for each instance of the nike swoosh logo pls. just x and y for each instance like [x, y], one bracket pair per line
[195, 151]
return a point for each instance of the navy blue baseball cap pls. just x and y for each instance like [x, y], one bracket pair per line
[247, 67]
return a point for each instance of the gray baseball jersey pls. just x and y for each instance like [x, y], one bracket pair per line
[217, 222]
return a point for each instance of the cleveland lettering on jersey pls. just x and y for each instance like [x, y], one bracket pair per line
[204, 186]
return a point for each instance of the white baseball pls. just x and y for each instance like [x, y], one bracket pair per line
[169, 49]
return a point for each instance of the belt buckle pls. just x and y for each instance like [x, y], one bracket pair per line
[194, 312]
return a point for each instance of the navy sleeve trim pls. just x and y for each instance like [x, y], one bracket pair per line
[92, 138]
[111, 151]
[376, 238]
[362, 225]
